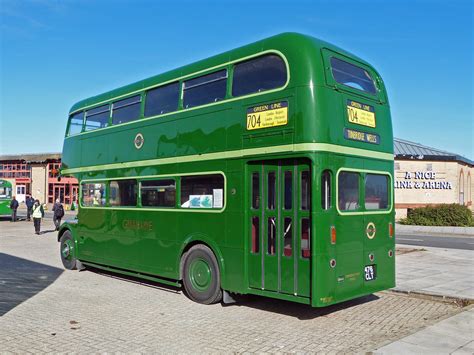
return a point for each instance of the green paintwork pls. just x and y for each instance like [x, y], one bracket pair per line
[200, 274]
[5, 199]
[213, 138]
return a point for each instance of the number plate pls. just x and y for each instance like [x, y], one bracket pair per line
[369, 273]
[360, 114]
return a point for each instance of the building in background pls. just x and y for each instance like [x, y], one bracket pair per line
[426, 176]
[37, 175]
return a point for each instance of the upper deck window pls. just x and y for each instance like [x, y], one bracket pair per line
[259, 74]
[75, 123]
[126, 110]
[205, 89]
[351, 75]
[162, 100]
[97, 117]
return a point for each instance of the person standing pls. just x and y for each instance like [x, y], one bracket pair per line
[38, 213]
[58, 213]
[30, 201]
[14, 206]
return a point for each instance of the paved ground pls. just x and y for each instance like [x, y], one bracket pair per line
[437, 241]
[47, 309]
[407, 229]
[436, 271]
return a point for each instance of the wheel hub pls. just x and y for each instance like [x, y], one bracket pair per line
[200, 274]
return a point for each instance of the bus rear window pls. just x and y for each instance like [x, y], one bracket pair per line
[376, 192]
[351, 75]
[348, 185]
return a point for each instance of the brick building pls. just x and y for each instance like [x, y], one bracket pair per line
[37, 175]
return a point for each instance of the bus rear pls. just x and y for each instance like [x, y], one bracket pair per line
[353, 221]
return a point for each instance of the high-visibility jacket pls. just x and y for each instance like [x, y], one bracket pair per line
[38, 211]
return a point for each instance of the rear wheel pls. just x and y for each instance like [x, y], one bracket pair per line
[201, 276]
[68, 251]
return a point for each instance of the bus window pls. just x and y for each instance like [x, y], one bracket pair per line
[353, 76]
[97, 117]
[305, 191]
[259, 74]
[305, 238]
[348, 191]
[287, 237]
[376, 192]
[271, 236]
[255, 235]
[93, 194]
[123, 193]
[326, 190]
[126, 110]
[205, 89]
[162, 100]
[255, 191]
[76, 122]
[288, 190]
[158, 193]
[204, 191]
[271, 190]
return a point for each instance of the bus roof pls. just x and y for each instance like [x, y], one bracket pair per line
[280, 42]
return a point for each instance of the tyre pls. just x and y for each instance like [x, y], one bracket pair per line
[201, 276]
[68, 251]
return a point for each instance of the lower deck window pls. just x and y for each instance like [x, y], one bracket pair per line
[93, 194]
[376, 192]
[203, 191]
[348, 194]
[158, 193]
[123, 193]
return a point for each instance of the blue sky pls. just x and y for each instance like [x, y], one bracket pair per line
[54, 53]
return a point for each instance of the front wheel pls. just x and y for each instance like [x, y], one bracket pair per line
[68, 251]
[201, 279]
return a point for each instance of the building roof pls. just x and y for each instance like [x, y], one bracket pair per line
[404, 149]
[31, 158]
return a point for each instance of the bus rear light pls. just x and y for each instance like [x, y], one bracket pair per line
[332, 263]
[390, 253]
[390, 230]
[333, 235]
[371, 257]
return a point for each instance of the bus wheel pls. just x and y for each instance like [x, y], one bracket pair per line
[67, 251]
[201, 277]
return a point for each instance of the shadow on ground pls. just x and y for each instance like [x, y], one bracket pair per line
[21, 279]
[292, 309]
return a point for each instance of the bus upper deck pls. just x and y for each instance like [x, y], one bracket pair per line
[333, 101]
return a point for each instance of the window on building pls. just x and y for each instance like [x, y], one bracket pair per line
[162, 100]
[126, 110]
[97, 117]
[348, 184]
[259, 74]
[93, 194]
[376, 192]
[123, 193]
[351, 75]
[205, 89]
[158, 193]
[203, 191]
[76, 121]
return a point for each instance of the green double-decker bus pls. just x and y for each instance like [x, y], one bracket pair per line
[5, 197]
[264, 170]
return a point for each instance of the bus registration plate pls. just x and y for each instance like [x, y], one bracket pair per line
[266, 116]
[360, 114]
[369, 273]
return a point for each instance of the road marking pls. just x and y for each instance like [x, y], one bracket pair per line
[412, 240]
